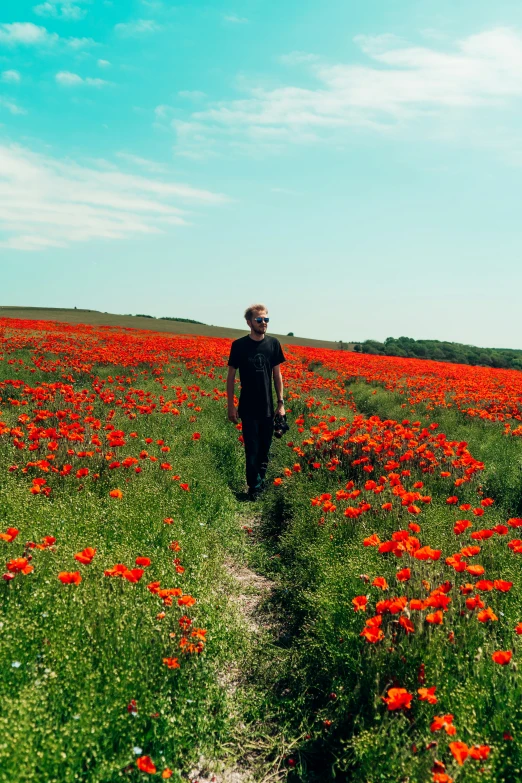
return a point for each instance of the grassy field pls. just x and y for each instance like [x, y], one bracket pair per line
[359, 623]
[96, 318]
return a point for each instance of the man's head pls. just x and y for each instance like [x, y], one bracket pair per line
[256, 317]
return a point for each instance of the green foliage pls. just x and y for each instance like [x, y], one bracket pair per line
[183, 320]
[436, 350]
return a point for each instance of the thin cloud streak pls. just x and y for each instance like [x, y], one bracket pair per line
[400, 85]
[46, 202]
[29, 34]
[68, 10]
[137, 27]
[68, 79]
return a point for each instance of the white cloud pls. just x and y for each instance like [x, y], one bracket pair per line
[26, 33]
[233, 19]
[11, 107]
[47, 202]
[79, 43]
[399, 85]
[138, 27]
[162, 111]
[68, 79]
[11, 77]
[145, 163]
[29, 34]
[103, 64]
[192, 95]
[69, 10]
[298, 58]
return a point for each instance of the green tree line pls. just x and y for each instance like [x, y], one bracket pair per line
[443, 352]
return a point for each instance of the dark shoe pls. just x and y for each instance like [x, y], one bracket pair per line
[254, 494]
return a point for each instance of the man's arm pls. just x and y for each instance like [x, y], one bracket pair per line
[232, 410]
[278, 383]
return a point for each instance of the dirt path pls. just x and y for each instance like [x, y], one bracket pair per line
[249, 590]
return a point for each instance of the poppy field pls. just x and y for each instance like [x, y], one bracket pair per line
[390, 641]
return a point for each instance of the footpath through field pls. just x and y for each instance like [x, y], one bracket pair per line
[359, 623]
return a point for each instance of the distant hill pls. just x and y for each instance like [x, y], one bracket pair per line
[173, 325]
[507, 358]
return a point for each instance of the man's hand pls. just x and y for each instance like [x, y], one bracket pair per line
[232, 415]
[280, 410]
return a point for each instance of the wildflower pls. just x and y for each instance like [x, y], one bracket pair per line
[116, 493]
[443, 722]
[397, 699]
[145, 764]
[407, 625]
[459, 751]
[480, 752]
[143, 561]
[10, 534]
[381, 582]
[70, 577]
[85, 556]
[502, 657]
[19, 565]
[486, 614]
[502, 586]
[171, 663]
[428, 694]
[460, 526]
[359, 603]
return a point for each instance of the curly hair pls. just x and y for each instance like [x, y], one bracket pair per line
[255, 308]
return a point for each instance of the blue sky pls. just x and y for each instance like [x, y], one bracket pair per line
[357, 166]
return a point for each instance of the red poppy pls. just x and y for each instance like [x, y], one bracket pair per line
[70, 577]
[459, 751]
[502, 657]
[428, 694]
[407, 625]
[443, 722]
[480, 752]
[359, 603]
[85, 556]
[10, 534]
[19, 565]
[171, 663]
[397, 699]
[143, 561]
[145, 764]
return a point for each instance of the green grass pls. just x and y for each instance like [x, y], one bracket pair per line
[302, 697]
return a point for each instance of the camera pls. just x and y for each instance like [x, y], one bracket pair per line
[280, 425]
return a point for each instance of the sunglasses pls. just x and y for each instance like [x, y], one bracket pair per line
[260, 320]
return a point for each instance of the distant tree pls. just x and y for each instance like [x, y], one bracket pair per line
[357, 348]
[142, 315]
[444, 352]
[183, 320]
[290, 334]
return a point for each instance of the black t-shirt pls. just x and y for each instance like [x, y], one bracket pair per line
[255, 360]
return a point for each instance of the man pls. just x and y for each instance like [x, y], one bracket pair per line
[258, 358]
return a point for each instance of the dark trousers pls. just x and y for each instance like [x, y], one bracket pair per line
[257, 437]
